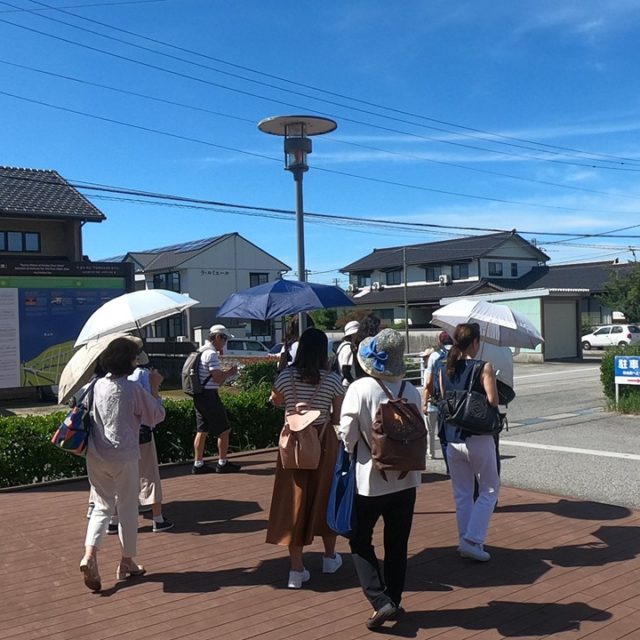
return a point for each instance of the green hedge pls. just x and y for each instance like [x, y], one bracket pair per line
[27, 457]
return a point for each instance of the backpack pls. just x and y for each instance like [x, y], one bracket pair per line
[300, 443]
[469, 409]
[440, 362]
[335, 366]
[190, 377]
[398, 435]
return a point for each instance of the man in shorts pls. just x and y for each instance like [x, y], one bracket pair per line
[210, 414]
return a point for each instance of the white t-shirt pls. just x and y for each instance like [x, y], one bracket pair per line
[428, 372]
[209, 362]
[359, 407]
[345, 359]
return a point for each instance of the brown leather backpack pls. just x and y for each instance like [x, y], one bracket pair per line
[398, 435]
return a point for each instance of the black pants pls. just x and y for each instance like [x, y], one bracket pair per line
[396, 510]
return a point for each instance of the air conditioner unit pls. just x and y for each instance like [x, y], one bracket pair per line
[376, 286]
[444, 279]
[351, 288]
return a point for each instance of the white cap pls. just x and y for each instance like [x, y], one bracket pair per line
[220, 329]
[351, 327]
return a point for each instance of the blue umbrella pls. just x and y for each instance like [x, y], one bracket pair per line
[282, 298]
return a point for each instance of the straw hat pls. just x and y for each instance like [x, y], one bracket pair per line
[383, 355]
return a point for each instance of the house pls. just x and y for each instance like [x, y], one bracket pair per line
[209, 270]
[42, 215]
[415, 280]
[450, 268]
[48, 289]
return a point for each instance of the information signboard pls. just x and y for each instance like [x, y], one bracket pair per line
[43, 306]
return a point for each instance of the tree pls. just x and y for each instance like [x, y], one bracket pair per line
[324, 319]
[622, 293]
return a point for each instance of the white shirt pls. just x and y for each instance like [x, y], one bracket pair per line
[118, 409]
[428, 372]
[345, 359]
[360, 404]
[209, 362]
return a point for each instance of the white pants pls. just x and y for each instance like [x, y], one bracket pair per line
[114, 483]
[474, 458]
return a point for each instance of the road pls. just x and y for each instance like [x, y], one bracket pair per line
[561, 440]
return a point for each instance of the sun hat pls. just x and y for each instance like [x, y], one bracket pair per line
[217, 329]
[143, 358]
[351, 327]
[382, 356]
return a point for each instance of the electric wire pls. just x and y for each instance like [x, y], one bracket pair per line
[484, 133]
[281, 102]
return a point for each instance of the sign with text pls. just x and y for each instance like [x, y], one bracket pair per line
[626, 369]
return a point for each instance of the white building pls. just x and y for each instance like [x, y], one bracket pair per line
[209, 270]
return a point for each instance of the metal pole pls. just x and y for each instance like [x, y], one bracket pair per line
[302, 274]
[406, 301]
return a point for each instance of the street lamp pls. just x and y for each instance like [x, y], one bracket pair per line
[297, 146]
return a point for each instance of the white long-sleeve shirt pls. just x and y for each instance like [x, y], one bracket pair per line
[119, 407]
[359, 407]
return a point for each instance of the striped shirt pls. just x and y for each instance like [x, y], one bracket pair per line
[331, 387]
[209, 361]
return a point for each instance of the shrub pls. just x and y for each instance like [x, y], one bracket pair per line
[26, 456]
[261, 371]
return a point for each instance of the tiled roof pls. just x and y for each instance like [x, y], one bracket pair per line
[586, 275]
[38, 193]
[172, 256]
[427, 293]
[447, 251]
[589, 276]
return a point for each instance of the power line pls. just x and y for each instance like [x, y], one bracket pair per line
[484, 133]
[287, 213]
[274, 100]
[331, 139]
[318, 168]
[82, 6]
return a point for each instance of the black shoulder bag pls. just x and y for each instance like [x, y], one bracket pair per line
[469, 409]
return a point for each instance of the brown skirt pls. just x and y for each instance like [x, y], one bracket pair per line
[299, 501]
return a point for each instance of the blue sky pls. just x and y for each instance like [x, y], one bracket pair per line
[477, 114]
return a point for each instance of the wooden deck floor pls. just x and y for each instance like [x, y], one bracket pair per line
[561, 568]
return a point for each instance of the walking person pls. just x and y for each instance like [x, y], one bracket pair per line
[470, 458]
[211, 417]
[345, 353]
[429, 402]
[298, 510]
[150, 484]
[118, 408]
[390, 496]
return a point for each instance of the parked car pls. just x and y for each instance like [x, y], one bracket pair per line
[611, 335]
[245, 347]
[332, 347]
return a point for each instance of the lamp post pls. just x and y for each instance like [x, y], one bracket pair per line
[296, 131]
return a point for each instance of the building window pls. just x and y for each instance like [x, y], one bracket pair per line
[385, 314]
[514, 269]
[363, 281]
[258, 278]
[20, 241]
[431, 274]
[495, 268]
[170, 281]
[394, 277]
[459, 271]
[262, 328]
[169, 327]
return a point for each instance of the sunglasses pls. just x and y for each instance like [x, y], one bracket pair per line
[221, 335]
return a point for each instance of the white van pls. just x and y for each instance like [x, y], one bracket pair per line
[245, 347]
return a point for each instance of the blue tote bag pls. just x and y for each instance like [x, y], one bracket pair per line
[341, 508]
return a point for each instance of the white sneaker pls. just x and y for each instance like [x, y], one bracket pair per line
[331, 565]
[296, 578]
[473, 550]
